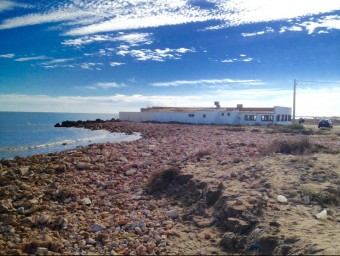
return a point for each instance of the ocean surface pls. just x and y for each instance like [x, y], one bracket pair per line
[24, 133]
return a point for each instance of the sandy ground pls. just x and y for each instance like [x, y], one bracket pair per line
[214, 191]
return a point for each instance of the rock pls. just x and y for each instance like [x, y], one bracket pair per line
[20, 210]
[41, 251]
[281, 199]
[321, 215]
[172, 214]
[41, 219]
[22, 170]
[306, 199]
[130, 172]
[10, 220]
[228, 241]
[61, 222]
[86, 201]
[237, 225]
[141, 250]
[268, 243]
[6, 206]
[235, 210]
[97, 227]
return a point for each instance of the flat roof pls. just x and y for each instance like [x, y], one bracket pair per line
[188, 110]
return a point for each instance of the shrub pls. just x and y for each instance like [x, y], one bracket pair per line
[296, 145]
[160, 179]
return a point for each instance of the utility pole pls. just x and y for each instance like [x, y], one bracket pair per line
[295, 84]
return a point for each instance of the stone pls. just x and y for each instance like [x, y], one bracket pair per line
[237, 225]
[281, 199]
[41, 251]
[86, 201]
[321, 215]
[268, 243]
[130, 172]
[22, 170]
[97, 227]
[172, 214]
[61, 222]
[6, 206]
[228, 241]
[20, 210]
[306, 199]
[41, 219]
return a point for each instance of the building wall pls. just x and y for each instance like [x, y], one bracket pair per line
[281, 115]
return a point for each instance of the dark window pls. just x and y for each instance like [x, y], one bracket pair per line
[278, 118]
[250, 117]
[222, 114]
[286, 117]
[191, 115]
[289, 118]
[228, 114]
[267, 118]
[204, 115]
[282, 118]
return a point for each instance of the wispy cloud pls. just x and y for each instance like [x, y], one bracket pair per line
[155, 55]
[131, 39]
[207, 82]
[241, 58]
[262, 32]
[7, 56]
[115, 64]
[42, 57]
[81, 18]
[6, 5]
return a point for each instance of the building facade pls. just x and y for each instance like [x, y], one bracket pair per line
[217, 115]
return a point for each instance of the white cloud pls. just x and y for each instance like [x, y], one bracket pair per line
[327, 98]
[95, 16]
[115, 64]
[319, 25]
[266, 31]
[32, 58]
[242, 58]
[109, 85]
[91, 65]
[6, 5]
[7, 56]
[207, 82]
[155, 55]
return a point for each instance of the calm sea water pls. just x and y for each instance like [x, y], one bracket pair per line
[23, 134]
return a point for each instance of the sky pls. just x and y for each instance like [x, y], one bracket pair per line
[106, 56]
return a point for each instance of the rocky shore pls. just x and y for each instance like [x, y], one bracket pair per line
[181, 189]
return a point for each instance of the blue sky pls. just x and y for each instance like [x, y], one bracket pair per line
[110, 56]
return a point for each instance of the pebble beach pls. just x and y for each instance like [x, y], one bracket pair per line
[221, 197]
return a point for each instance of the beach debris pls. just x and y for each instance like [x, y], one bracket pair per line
[321, 215]
[282, 199]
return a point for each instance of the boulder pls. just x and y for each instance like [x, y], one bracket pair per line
[228, 241]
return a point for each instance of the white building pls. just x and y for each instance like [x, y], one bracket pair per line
[217, 115]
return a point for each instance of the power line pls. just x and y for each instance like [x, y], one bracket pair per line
[319, 82]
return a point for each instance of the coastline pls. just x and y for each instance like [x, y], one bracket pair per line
[97, 199]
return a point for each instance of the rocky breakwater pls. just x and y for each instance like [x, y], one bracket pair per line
[97, 199]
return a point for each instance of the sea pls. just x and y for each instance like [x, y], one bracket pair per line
[27, 133]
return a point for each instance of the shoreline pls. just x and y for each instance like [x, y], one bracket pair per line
[95, 199]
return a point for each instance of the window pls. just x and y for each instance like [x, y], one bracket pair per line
[222, 114]
[277, 118]
[267, 118]
[282, 118]
[228, 114]
[250, 117]
[289, 118]
[204, 115]
[286, 118]
[191, 115]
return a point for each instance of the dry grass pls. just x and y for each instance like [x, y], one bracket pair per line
[203, 152]
[160, 179]
[296, 145]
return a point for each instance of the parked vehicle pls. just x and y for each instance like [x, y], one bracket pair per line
[325, 123]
